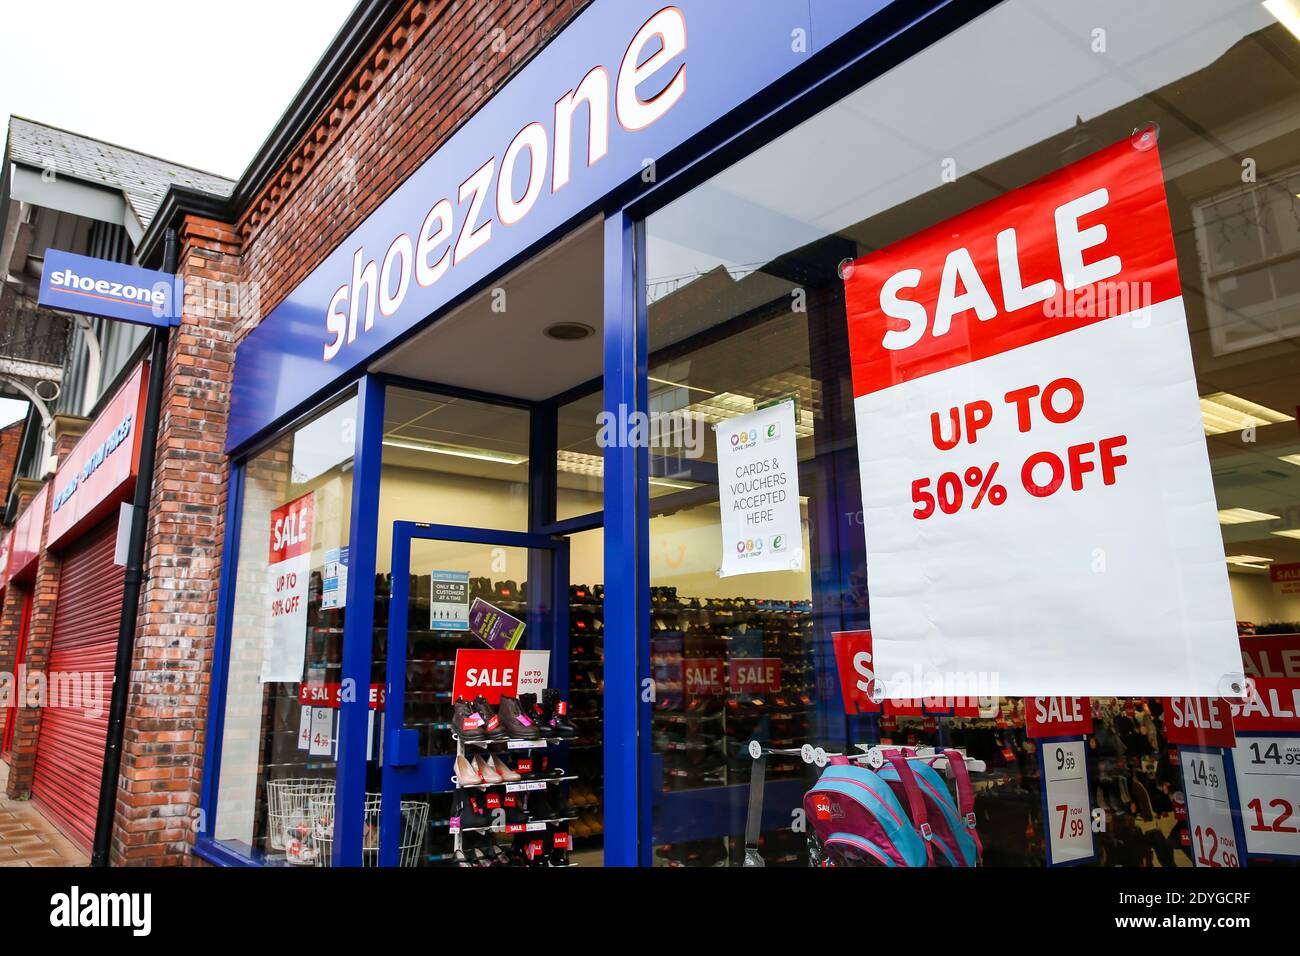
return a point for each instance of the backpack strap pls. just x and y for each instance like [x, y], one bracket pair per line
[915, 801]
[965, 796]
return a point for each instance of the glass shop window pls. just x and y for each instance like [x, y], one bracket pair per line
[279, 739]
[940, 237]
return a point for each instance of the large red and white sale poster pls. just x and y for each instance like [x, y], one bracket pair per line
[1036, 489]
[289, 572]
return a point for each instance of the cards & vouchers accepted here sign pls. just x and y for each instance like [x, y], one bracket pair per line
[1037, 497]
[758, 492]
[289, 572]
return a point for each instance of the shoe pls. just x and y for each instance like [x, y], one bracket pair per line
[486, 772]
[594, 823]
[515, 722]
[466, 774]
[468, 813]
[530, 705]
[557, 711]
[539, 806]
[579, 828]
[503, 769]
[467, 722]
[492, 729]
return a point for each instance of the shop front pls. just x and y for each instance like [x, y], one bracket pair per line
[737, 398]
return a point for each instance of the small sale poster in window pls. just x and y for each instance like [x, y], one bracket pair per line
[1037, 498]
[288, 572]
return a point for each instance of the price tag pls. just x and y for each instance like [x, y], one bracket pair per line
[1209, 801]
[1268, 786]
[322, 731]
[304, 729]
[1067, 816]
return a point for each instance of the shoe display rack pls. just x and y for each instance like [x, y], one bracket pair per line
[509, 786]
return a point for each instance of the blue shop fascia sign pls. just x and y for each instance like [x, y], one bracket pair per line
[619, 88]
[97, 458]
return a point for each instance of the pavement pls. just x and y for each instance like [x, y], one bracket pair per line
[28, 839]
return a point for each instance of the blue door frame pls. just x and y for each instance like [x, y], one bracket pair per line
[404, 770]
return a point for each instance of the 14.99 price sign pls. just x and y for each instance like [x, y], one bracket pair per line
[1029, 432]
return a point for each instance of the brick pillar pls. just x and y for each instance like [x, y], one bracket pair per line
[40, 632]
[11, 611]
[162, 752]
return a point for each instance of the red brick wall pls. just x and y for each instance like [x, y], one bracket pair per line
[162, 750]
[434, 68]
[11, 437]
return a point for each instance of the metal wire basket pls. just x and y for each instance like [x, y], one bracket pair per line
[289, 809]
[415, 824]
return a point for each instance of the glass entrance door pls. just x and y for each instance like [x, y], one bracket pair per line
[445, 780]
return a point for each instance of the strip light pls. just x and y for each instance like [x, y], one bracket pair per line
[458, 451]
[1249, 561]
[1244, 516]
[1223, 412]
[1287, 13]
[1289, 533]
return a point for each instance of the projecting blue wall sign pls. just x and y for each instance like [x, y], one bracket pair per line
[110, 290]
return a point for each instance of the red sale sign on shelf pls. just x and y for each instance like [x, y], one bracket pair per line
[1036, 488]
[493, 674]
[289, 573]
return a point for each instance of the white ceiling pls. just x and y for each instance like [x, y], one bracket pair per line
[506, 352]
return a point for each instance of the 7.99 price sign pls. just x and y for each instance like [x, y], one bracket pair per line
[1067, 817]
[1029, 430]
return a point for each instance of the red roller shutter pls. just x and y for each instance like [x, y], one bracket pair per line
[70, 748]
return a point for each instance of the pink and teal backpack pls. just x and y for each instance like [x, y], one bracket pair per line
[901, 816]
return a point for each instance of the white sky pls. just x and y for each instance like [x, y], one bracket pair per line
[197, 83]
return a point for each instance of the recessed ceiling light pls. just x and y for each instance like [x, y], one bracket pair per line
[1289, 533]
[1223, 412]
[1290, 459]
[1248, 560]
[568, 331]
[1243, 516]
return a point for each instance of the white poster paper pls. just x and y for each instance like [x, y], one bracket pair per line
[1069, 816]
[1037, 498]
[1268, 788]
[289, 570]
[1209, 809]
[758, 492]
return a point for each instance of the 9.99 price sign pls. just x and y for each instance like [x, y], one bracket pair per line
[1067, 817]
[1215, 841]
[1029, 429]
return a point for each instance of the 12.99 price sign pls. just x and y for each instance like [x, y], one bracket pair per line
[1029, 430]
